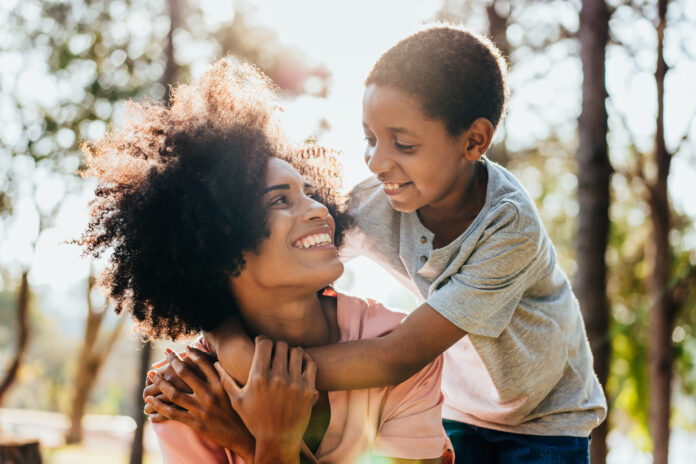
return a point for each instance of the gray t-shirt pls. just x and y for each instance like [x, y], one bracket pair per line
[525, 365]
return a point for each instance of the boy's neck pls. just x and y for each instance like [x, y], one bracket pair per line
[449, 218]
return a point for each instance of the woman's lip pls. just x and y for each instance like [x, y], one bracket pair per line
[396, 191]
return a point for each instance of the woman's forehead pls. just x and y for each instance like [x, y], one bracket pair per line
[282, 170]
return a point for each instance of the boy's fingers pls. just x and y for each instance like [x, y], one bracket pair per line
[262, 356]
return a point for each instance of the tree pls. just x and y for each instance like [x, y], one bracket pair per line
[92, 357]
[667, 294]
[22, 311]
[594, 175]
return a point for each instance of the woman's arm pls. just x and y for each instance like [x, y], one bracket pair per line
[388, 360]
[276, 403]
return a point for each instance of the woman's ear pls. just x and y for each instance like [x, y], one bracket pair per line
[476, 139]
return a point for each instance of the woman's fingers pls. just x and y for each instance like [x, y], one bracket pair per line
[151, 389]
[173, 394]
[228, 384]
[166, 410]
[262, 356]
[280, 359]
[295, 364]
[204, 364]
[310, 372]
[185, 372]
[148, 409]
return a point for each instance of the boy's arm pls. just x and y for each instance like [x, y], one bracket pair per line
[377, 362]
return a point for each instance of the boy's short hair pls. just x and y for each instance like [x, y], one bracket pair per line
[457, 75]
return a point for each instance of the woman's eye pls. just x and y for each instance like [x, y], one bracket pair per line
[370, 141]
[281, 200]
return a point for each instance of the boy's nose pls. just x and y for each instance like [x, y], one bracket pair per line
[376, 161]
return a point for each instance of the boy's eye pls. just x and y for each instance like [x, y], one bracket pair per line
[403, 147]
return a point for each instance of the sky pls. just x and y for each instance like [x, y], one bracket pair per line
[347, 38]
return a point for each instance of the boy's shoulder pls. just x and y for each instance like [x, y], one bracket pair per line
[509, 202]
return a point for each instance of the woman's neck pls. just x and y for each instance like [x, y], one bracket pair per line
[299, 319]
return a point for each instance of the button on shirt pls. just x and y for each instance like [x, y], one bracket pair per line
[525, 365]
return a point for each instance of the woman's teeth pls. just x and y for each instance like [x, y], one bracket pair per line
[313, 241]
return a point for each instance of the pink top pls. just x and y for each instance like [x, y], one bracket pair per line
[402, 421]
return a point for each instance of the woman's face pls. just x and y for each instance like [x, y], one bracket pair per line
[300, 250]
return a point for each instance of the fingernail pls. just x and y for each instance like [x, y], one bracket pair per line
[151, 375]
[148, 400]
[170, 354]
[168, 351]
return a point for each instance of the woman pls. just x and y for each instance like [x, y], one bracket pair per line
[209, 214]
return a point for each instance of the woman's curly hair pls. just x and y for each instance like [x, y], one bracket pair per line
[179, 193]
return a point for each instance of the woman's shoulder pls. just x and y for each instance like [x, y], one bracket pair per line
[360, 318]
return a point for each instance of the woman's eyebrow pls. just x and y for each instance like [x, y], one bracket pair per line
[276, 187]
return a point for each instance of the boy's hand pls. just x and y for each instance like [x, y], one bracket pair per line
[276, 403]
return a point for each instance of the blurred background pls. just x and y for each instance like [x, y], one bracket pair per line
[600, 130]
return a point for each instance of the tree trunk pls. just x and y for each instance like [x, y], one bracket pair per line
[18, 451]
[663, 310]
[137, 446]
[594, 175]
[22, 310]
[498, 13]
[91, 360]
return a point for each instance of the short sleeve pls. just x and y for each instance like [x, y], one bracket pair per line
[411, 420]
[482, 296]
[179, 444]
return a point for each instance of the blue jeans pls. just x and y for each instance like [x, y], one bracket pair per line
[474, 445]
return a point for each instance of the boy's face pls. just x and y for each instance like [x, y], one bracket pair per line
[418, 162]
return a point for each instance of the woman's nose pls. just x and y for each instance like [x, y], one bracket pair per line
[316, 210]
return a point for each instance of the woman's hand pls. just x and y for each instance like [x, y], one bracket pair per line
[205, 407]
[276, 403]
[164, 369]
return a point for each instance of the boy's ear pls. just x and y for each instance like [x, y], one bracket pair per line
[476, 139]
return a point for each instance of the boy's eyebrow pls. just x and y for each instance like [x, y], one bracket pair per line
[401, 130]
[283, 187]
[398, 130]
